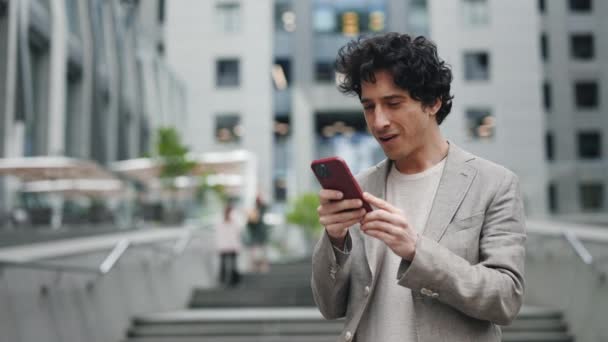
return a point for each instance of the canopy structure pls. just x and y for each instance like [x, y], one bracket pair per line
[234, 170]
[49, 168]
[71, 187]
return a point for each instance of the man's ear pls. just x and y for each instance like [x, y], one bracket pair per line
[434, 108]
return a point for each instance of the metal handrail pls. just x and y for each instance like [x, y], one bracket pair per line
[578, 246]
[106, 265]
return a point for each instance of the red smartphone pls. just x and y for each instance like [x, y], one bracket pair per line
[334, 174]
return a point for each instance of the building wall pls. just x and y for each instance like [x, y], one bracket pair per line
[195, 43]
[512, 92]
[564, 119]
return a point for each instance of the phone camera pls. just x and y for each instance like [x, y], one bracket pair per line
[322, 170]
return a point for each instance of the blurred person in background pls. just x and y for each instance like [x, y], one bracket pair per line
[258, 235]
[441, 258]
[228, 241]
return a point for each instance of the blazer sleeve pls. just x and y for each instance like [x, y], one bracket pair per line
[331, 277]
[490, 290]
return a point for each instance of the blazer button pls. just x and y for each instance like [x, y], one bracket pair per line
[366, 290]
[348, 336]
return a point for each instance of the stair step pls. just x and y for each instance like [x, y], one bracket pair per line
[539, 324]
[533, 312]
[536, 337]
[237, 329]
[275, 338]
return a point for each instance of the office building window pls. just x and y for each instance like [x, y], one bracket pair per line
[281, 73]
[284, 17]
[475, 13]
[581, 46]
[227, 73]
[161, 11]
[228, 16]
[552, 197]
[324, 71]
[589, 145]
[544, 47]
[542, 6]
[228, 128]
[480, 123]
[547, 95]
[591, 196]
[580, 5]
[549, 146]
[348, 18]
[586, 93]
[476, 66]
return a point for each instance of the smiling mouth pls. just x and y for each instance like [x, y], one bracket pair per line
[387, 138]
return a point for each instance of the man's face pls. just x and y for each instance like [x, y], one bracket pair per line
[398, 122]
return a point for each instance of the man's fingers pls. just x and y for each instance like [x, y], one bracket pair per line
[327, 195]
[342, 217]
[379, 203]
[381, 226]
[341, 226]
[380, 235]
[335, 207]
[383, 215]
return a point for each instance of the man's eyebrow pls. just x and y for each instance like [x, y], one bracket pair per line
[387, 97]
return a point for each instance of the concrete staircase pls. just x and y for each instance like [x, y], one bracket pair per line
[278, 306]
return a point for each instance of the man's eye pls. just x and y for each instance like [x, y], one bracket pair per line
[394, 104]
[368, 107]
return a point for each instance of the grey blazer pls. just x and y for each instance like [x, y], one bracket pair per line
[467, 276]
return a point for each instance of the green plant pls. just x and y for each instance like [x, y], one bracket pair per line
[303, 212]
[172, 153]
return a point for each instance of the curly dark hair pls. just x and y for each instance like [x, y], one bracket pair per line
[412, 62]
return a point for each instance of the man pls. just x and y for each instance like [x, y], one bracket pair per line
[441, 257]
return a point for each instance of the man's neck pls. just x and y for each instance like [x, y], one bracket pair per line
[428, 155]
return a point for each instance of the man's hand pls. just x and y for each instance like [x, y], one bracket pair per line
[337, 215]
[388, 224]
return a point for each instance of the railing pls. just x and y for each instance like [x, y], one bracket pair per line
[576, 235]
[108, 263]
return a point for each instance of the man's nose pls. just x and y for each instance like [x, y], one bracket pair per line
[380, 118]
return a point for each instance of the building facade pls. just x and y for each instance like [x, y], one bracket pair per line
[227, 51]
[573, 54]
[85, 79]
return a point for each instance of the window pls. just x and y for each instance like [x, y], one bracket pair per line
[591, 196]
[552, 193]
[228, 128]
[324, 71]
[547, 95]
[544, 47]
[476, 66]
[161, 11]
[475, 13]
[227, 73]
[589, 145]
[324, 20]
[348, 18]
[580, 5]
[284, 17]
[281, 73]
[480, 124]
[228, 17]
[542, 6]
[549, 146]
[581, 46]
[586, 93]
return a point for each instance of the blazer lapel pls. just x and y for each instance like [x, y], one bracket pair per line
[454, 184]
[376, 186]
